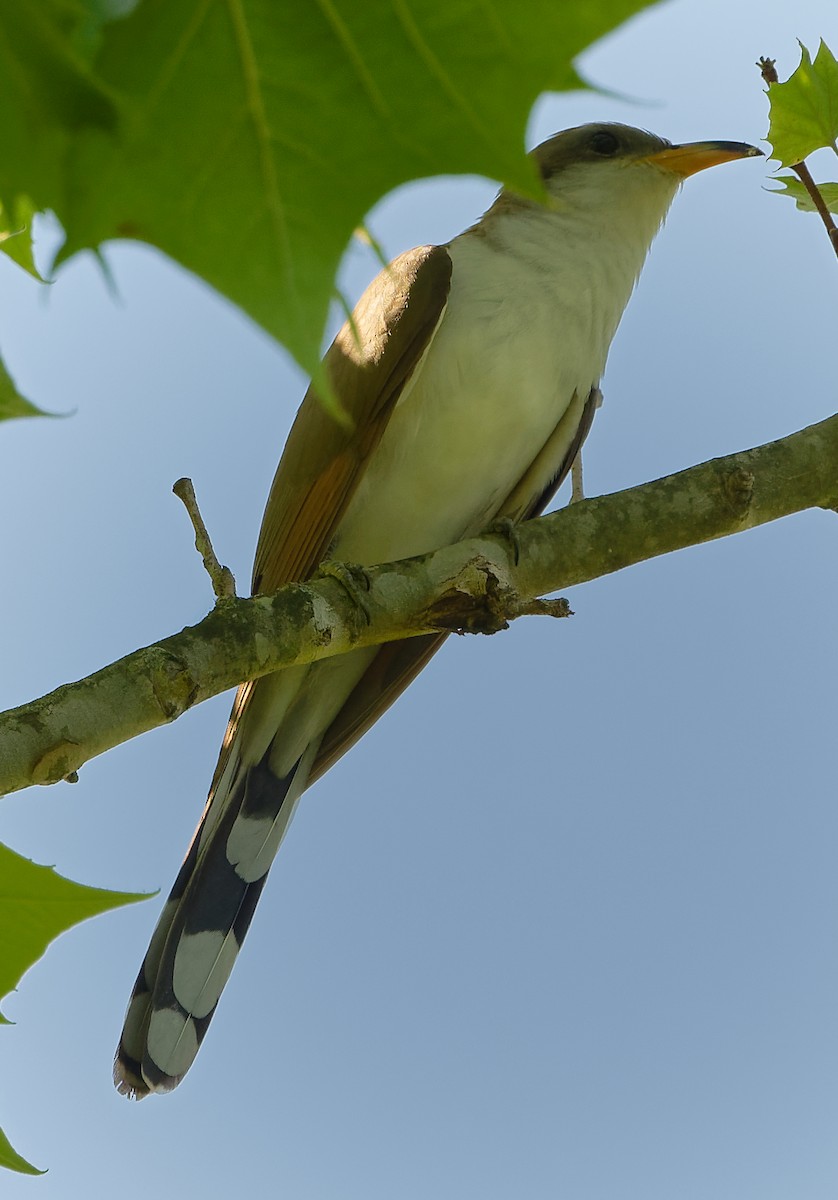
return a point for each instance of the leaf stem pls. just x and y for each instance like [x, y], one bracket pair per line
[802, 171]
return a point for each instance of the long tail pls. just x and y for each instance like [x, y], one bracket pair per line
[272, 741]
[202, 926]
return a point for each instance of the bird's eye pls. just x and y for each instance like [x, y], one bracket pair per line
[603, 142]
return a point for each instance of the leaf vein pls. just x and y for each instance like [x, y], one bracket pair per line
[435, 67]
[177, 56]
[355, 56]
[261, 126]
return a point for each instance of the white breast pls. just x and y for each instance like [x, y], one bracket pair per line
[530, 317]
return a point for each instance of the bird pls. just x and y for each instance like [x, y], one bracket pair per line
[469, 373]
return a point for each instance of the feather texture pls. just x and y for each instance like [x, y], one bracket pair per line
[469, 375]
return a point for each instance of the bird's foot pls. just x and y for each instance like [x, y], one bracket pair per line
[506, 528]
[577, 490]
[353, 579]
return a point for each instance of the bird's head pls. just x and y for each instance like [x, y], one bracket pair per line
[605, 166]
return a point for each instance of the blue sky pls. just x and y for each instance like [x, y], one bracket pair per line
[565, 923]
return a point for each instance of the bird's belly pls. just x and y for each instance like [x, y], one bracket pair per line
[457, 444]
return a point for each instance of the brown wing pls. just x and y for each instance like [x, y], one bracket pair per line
[395, 666]
[398, 663]
[368, 364]
[549, 469]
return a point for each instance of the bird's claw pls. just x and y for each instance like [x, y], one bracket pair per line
[577, 490]
[506, 528]
[353, 579]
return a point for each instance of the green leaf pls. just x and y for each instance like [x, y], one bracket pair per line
[36, 905]
[256, 135]
[804, 109]
[16, 235]
[12, 1160]
[12, 404]
[48, 94]
[795, 189]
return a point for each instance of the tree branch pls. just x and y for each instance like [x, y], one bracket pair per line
[477, 585]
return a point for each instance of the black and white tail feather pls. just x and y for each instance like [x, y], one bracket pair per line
[204, 921]
[203, 925]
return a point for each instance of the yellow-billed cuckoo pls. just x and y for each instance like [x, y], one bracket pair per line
[470, 372]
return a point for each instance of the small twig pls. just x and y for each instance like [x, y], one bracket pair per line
[768, 70]
[223, 583]
[802, 171]
[559, 607]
